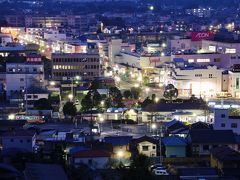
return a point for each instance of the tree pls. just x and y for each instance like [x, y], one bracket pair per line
[69, 109]
[91, 100]
[146, 102]
[170, 92]
[42, 104]
[127, 94]
[136, 92]
[115, 97]
[139, 168]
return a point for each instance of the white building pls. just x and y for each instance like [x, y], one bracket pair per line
[19, 139]
[224, 121]
[204, 82]
[221, 47]
[54, 35]
[22, 75]
[234, 83]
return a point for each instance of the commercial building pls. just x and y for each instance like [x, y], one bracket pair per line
[223, 120]
[22, 75]
[66, 66]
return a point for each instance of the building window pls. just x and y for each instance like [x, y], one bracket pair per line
[12, 140]
[90, 161]
[210, 75]
[28, 140]
[223, 115]
[21, 79]
[154, 147]
[205, 147]
[203, 60]
[234, 125]
[223, 124]
[21, 141]
[237, 83]
[145, 148]
[35, 96]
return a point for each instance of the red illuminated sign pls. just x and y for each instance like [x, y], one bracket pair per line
[198, 36]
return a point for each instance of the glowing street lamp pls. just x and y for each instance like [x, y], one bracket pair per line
[136, 85]
[151, 8]
[52, 83]
[156, 99]
[11, 116]
[120, 154]
[70, 96]
[102, 103]
[153, 126]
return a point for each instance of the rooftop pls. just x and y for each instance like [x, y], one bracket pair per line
[91, 153]
[225, 154]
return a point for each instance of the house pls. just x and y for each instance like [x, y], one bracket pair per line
[225, 158]
[203, 140]
[44, 171]
[97, 159]
[174, 146]
[176, 128]
[167, 109]
[146, 145]
[120, 147]
[9, 172]
[223, 120]
[21, 140]
[197, 173]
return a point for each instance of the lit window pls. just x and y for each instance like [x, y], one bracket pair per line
[230, 51]
[203, 60]
[191, 60]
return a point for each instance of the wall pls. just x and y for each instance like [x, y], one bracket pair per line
[97, 162]
[175, 151]
[152, 149]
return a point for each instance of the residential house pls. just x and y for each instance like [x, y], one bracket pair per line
[20, 140]
[203, 140]
[226, 160]
[174, 146]
[223, 120]
[197, 173]
[120, 147]
[44, 171]
[146, 145]
[97, 159]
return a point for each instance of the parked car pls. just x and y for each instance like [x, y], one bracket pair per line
[154, 166]
[161, 172]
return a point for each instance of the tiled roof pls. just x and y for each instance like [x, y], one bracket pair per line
[174, 141]
[145, 138]
[225, 154]
[212, 136]
[118, 140]
[91, 153]
[19, 132]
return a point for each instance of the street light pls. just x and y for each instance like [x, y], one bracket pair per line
[11, 116]
[102, 103]
[52, 83]
[136, 85]
[156, 99]
[70, 96]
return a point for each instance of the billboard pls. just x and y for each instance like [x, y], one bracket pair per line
[198, 36]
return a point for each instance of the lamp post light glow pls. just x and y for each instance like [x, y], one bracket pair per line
[120, 154]
[156, 99]
[52, 83]
[70, 96]
[151, 8]
[11, 116]
[153, 126]
[102, 103]
[136, 85]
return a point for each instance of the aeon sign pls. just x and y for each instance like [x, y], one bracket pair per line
[198, 36]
